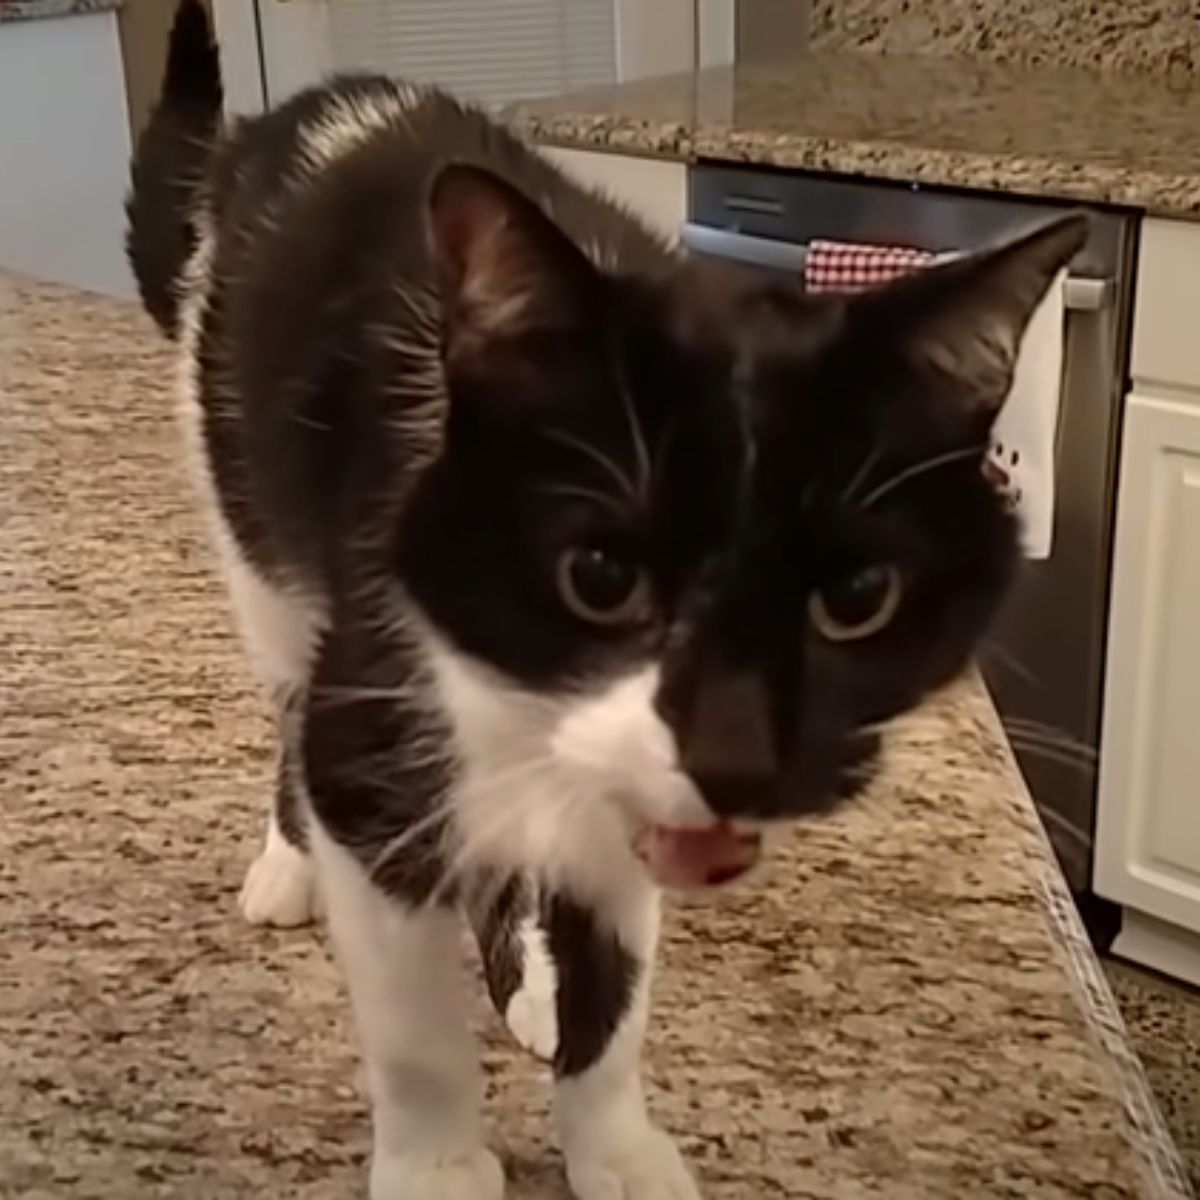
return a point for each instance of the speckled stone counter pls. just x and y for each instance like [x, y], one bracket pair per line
[1124, 139]
[902, 1010]
[1157, 36]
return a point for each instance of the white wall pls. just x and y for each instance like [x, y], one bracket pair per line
[64, 151]
[657, 38]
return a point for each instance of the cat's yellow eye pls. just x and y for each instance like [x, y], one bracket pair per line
[857, 606]
[604, 586]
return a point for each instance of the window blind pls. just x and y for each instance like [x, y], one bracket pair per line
[490, 51]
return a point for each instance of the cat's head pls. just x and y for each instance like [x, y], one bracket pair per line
[699, 537]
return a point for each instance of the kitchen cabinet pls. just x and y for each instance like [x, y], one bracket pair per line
[652, 188]
[1166, 350]
[1148, 835]
[1148, 829]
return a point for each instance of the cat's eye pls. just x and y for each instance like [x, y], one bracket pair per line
[604, 585]
[858, 605]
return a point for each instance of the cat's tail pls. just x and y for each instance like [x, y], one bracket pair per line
[170, 162]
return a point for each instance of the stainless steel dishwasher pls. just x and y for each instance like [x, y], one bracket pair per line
[1046, 662]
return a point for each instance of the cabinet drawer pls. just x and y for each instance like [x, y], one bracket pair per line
[653, 189]
[1148, 826]
[1166, 311]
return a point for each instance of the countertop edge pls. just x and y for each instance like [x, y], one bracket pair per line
[1161, 1162]
[612, 135]
[1149, 192]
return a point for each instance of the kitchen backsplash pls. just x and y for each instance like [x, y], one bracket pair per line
[1160, 36]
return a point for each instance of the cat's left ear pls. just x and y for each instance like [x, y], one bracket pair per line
[962, 321]
[504, 268]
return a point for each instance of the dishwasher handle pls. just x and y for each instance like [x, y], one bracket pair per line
[744, 248]
[1080, 293]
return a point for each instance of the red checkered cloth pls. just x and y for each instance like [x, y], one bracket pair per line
[855, 266]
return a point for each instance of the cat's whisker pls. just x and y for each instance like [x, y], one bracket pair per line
[1049, 735]
[908, 474]
[616, 473]
[907, 726]
[641, 453]
[992, 649]
[860, 476]
[442, 815]
[480, 894]
[339, 694]
[345, 694]
[1056, 755]
[481, 840]
[446, 810]
[615, 505]
[379, 772]
[1043, 727]
[1075, 832]
[572, 800]
[1063, 745]
[550, 809]
[477, 790]
[530, 772]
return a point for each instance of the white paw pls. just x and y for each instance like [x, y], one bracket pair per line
[280, 887]
[475, 1175]
[531, 1015]
[647, 1167]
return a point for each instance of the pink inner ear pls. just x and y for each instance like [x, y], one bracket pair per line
[490, 280]
[503, 266]
[468, 214]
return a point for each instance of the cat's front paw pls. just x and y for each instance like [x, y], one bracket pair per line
[472, 1175]
[646, 1167]
[531, 1014]
[280, 887]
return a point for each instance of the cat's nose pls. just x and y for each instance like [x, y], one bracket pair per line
[726, 743]
[729, 797]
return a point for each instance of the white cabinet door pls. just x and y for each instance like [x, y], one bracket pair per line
[1165, 347]
[1148, 833]
[651, 188]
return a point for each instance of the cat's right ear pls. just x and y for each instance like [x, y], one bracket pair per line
[962, 321]
[504, 268]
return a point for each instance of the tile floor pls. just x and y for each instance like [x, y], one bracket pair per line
[1164, 1025]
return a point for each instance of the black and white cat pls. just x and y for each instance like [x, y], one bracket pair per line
[571, 566]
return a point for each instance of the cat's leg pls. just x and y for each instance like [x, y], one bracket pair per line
[521, 977]
[404, 972]
[279, 632]
[379, 773]
[280, 887]
[605, 961]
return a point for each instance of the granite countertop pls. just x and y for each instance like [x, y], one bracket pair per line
[902, 1010]
[29, 10]
[1123, 139]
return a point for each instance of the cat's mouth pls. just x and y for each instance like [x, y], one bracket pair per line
[698, 858]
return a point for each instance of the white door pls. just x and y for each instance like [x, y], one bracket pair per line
[491, 51]
[1148, 832]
